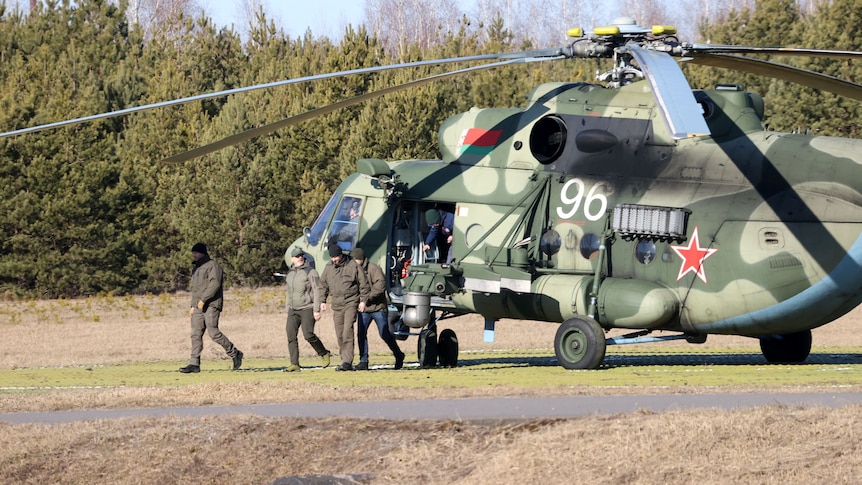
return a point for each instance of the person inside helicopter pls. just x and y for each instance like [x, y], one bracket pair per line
[346, 224]
[441, 223]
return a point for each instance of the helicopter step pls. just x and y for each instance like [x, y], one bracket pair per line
[642, 338]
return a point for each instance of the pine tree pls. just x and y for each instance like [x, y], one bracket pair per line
[834, 25]
[201, 59]
[65, 196]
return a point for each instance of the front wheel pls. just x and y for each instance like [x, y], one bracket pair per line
[580, 343]
[447, 348]
[427, 348]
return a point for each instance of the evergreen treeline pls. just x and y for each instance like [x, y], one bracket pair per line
[91, 208]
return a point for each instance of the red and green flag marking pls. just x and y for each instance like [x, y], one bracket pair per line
[478, 141]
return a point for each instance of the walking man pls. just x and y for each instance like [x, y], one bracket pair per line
[303, 308]
[343, 279]
[206, 306]
[376, 309]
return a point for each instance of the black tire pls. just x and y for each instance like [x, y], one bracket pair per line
[580, 343]
[427, 348]
[788, 349]
[447, 348]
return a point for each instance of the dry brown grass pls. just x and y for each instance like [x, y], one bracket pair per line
[764, 445]
[110, 330]
[104, 330]
[770, 445]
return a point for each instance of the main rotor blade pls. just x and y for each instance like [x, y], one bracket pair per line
[775, 70]
[780, 51]
[680, 110]
[552, 53]
[266, 129]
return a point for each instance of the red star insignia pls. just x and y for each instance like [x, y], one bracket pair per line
[693, 257]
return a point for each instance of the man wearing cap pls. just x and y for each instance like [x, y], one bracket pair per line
[442, 223]
[206, 306]
[375, 309]
[346, 283]
[303, 308]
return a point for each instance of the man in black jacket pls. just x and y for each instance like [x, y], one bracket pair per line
[205, 309]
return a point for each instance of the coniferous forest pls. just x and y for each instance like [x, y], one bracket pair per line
[92, 208]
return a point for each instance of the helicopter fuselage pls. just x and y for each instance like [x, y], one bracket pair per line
[582, 205]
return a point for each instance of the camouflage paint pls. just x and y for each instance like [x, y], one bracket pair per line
[777, 216]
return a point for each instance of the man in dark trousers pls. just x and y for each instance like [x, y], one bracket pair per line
[441, 223]
[375, 309]
[206, 306]
[348, 286]
[303, 308]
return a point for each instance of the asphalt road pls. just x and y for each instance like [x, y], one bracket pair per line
[465, 409]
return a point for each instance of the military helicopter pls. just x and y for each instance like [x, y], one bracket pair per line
[636, 204]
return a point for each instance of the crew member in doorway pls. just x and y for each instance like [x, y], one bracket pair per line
[441, 223]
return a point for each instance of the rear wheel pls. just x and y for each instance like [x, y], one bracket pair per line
[790, 348]
[580, 343]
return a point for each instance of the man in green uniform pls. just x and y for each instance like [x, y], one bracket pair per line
[207, 300]
[303, 308]
[349, 288]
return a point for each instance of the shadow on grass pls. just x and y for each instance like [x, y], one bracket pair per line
[684, 359]
[611, 361]
[724, 359]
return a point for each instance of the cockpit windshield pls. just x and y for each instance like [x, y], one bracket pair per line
[345, 227]
[345, 222]
[319, 227]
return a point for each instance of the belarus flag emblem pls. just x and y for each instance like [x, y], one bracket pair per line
[478, 141]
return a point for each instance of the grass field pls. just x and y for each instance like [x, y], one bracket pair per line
[108, 352]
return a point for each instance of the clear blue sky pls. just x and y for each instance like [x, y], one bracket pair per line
[323, 17]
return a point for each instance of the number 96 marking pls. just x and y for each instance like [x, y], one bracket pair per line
[595, 204]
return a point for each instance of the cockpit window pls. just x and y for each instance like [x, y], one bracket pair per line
[316, 232]
[345, 227]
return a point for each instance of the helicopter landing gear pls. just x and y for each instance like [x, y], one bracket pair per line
[580, 343]
[431, 347]
[427, 347]
[447, 348]
[793, 347]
